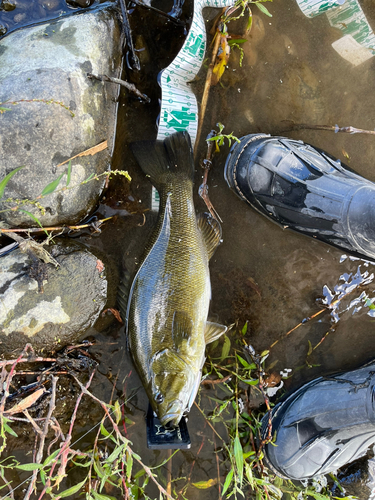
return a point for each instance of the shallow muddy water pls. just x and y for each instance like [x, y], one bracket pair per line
[262, 274]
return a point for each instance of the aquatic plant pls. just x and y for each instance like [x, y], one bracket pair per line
[110, 466]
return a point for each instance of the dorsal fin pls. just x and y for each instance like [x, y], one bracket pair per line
[211, 232]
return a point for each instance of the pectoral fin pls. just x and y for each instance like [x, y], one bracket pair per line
[213, 331]
[211, 232]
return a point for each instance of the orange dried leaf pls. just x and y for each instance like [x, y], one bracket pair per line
[272, 380]
[99, 265]
[115, 313]
[91, 151]
[222, 59]
[26, 403]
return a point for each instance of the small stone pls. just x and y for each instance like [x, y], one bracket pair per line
[3, 30]
[7, 6]
[79, 3]
[50, 4]
[19, 18]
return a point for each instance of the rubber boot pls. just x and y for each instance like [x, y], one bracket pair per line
[305, 189]
[323, 425]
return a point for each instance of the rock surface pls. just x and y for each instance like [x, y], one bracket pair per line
[73, 298]
[59, 113]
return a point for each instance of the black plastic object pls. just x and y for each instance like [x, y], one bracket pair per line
[323, 425]
[305, 189]
[159, 437]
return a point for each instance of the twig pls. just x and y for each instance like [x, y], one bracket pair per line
[63, 454]
[128, 35]
[206, 90]
[26, 360]
[160, 12]
[39, 230]
[203, 188]
[216, 381]
[130, 86]
[331, 128]
[116, 429]
[8, 484]
[305, 320]
[169, 472]
[209, 423]
[43, 436]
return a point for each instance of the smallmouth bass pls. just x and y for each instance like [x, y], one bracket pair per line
[167, 308]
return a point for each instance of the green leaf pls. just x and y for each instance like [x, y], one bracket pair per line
[117, 411]
[204, 485]
[29, 466]
[115, 453]
[249, 474]
[99, 496]
[249, 23]
[6, 179]
[236, 41]
[72, 490]
[226, 348]
[310, 348]
[316, 495]
[69, 174]
[263, 9]
[129, 466]
[238, 455]
[245, 364]
[228, 481]
[50, 188]
[9, 430]
[35, 219]
[244, 329]
[43, 477]
[51, 458]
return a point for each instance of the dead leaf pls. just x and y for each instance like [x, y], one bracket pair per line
[26, 403]
[91, 151]
[273, 379]
[115, 313]
[99, 265]
[222, 59]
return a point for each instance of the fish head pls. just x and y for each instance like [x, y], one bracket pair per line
[173, 388]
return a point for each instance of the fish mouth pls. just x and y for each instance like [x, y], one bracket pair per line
[171, 420]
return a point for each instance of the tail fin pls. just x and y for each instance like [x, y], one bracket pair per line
[161, 159]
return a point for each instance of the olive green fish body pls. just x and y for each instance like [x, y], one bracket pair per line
[169, 299]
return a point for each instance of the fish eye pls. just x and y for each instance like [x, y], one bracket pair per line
[159, 398]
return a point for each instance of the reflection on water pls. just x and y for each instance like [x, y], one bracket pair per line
[261, 273]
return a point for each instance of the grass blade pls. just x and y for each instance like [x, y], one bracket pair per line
[35, 219]
[6, 179]
[238, 455]
[263, 9]
[50, 188]
[69, 173]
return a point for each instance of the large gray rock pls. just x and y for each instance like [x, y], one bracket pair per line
[48, 65]
[71, 302]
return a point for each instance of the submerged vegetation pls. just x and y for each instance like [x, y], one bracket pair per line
[111, 467]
